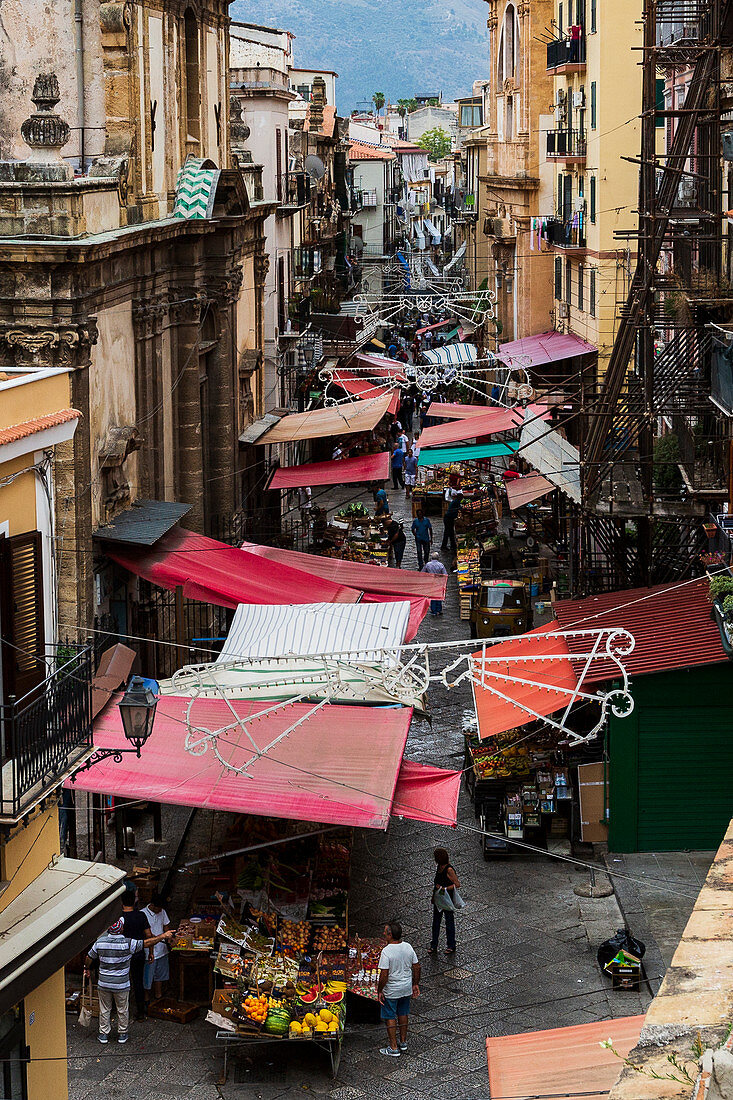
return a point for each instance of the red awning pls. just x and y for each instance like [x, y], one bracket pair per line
[345, 471]
[429, 328]
[399, 583]
[380, 366]
[547, 347]
[523, 490]
[340, 766]
[216, 573]
[566, 1061]
[360, 387]
[553, 682]
[471, 427]
[418, 608]
[425, 793]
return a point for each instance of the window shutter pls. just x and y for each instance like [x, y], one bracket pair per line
[21, 609]
[593, 199]
[592, 293]
[593, 105]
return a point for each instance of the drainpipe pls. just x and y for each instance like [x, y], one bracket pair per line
[79, 56]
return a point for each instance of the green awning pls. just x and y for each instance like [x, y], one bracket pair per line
[441, 456]
[449, 335]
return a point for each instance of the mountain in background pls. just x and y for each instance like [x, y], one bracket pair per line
[402, 49]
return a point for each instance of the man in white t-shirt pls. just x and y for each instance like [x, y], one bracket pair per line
[399, 980]
[156, 970]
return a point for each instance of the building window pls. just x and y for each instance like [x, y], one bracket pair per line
[471, 115]
[21, 613]
[580, 286]
[509, 118]
[568, 282]
[559, 194]
[193, 96]
[593, 200]
[13, 1054]
[558, 278]
[593, 6]
[592, 292]
[559, 20]
[593, 105]
[659, 120]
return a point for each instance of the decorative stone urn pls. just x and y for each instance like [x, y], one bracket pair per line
[44, 131]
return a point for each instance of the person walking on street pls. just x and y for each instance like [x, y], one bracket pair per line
[114, 951]
[449, 524]
[381, 503]
[136, 928]
[397, 539]
[447, 881]
[422, 529]
[398, 460]
[157, 970]
[409, 467]
[436, 567]
[399, 981]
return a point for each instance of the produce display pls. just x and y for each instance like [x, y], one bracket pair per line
[329, 939]
[295, 935]
[354, 510]
[256, 1008]
[363, 966]
[194, 934]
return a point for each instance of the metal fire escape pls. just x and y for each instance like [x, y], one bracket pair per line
[675, 291]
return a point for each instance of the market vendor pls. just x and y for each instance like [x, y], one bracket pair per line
[156, 968]
[396, 538]
[382, 504]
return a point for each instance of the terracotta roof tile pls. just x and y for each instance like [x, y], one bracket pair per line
[329, 120]
[362, 151]
[15, 432]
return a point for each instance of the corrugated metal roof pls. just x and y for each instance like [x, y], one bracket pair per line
[670, 622]
[547, 347]
[143, 523]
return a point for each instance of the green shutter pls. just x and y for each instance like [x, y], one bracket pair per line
[593, 199]
[659, 121]
[593, 104]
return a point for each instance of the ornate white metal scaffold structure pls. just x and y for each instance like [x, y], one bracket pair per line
[402, 675]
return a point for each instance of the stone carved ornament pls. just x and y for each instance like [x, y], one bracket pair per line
[47, 346]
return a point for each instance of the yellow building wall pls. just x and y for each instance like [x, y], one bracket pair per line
[18, 498]
[35, 397]
[45, 1035]
[25, 854]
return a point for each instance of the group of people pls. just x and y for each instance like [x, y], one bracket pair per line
[399, 966]
[132, 952]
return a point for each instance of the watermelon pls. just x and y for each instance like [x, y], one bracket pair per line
[310, 997]
[332, 998]
[278, 1020]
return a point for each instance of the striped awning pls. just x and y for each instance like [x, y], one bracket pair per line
[196, 189]
[456, 353]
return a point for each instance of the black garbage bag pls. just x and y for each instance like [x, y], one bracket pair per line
[622, 941]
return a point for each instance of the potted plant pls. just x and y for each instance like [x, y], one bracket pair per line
[721, 596]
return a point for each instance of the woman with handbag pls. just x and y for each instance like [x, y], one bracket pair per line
[445, 895]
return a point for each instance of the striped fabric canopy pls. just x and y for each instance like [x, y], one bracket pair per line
[196, 189]
[452, 354]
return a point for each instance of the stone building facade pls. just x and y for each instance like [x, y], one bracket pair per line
[149, 286]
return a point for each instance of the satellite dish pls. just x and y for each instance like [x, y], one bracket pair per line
[315, 167]
[357, 244]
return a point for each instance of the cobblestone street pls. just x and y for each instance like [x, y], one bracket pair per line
[525, 960]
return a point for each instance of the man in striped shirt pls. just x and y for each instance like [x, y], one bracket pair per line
[114, 952]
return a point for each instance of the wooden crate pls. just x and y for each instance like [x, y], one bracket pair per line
[167, 1008]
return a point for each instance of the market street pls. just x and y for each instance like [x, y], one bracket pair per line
[525, 959]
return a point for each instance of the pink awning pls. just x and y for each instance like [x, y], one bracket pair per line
[360, 387]
[525, 489]
[216, 573]
[425, 793]
[372, 578]
[345, 471]
[380, 366]
[340, 766]
[547, 347]
[429, 328]
[492, 420]
[452, 411]
[418, 608]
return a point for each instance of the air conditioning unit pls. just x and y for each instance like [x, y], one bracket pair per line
[563, 310]
[578, 99]
[687, 192]
[560, 97]
[580, 205]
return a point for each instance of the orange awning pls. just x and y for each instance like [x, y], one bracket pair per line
[566, 1062]
[551, 688]
[352, 416]
[523, 490]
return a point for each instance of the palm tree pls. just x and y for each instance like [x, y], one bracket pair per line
[378, 101]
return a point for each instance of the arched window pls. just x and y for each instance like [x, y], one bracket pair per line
[508, 44]
[193, 88]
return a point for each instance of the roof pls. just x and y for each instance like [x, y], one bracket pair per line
[670, 622]
[408, 147]
[360, 150]
[15, 432]
[547, 347]
[340, 767]
[565, 1061]
[316, 72]
[329, 120]
[143, 523]
[344, 471]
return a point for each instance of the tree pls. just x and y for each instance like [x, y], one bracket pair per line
[437, 142]
[378, 100]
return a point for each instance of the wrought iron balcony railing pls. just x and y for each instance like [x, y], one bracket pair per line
[44, 735]
[566, 144]
[566, 51]
[294, 189]
[566, 234]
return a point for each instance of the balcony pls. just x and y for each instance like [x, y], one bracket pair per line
[367, 200]
[293, 190]
[570, 146]
[566, 55]
[46, 734]
[566, 234]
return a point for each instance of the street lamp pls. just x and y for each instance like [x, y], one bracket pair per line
[137, 711]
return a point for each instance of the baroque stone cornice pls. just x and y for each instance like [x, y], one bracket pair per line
[49, 345]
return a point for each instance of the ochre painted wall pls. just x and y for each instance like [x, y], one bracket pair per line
[45, 1035]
